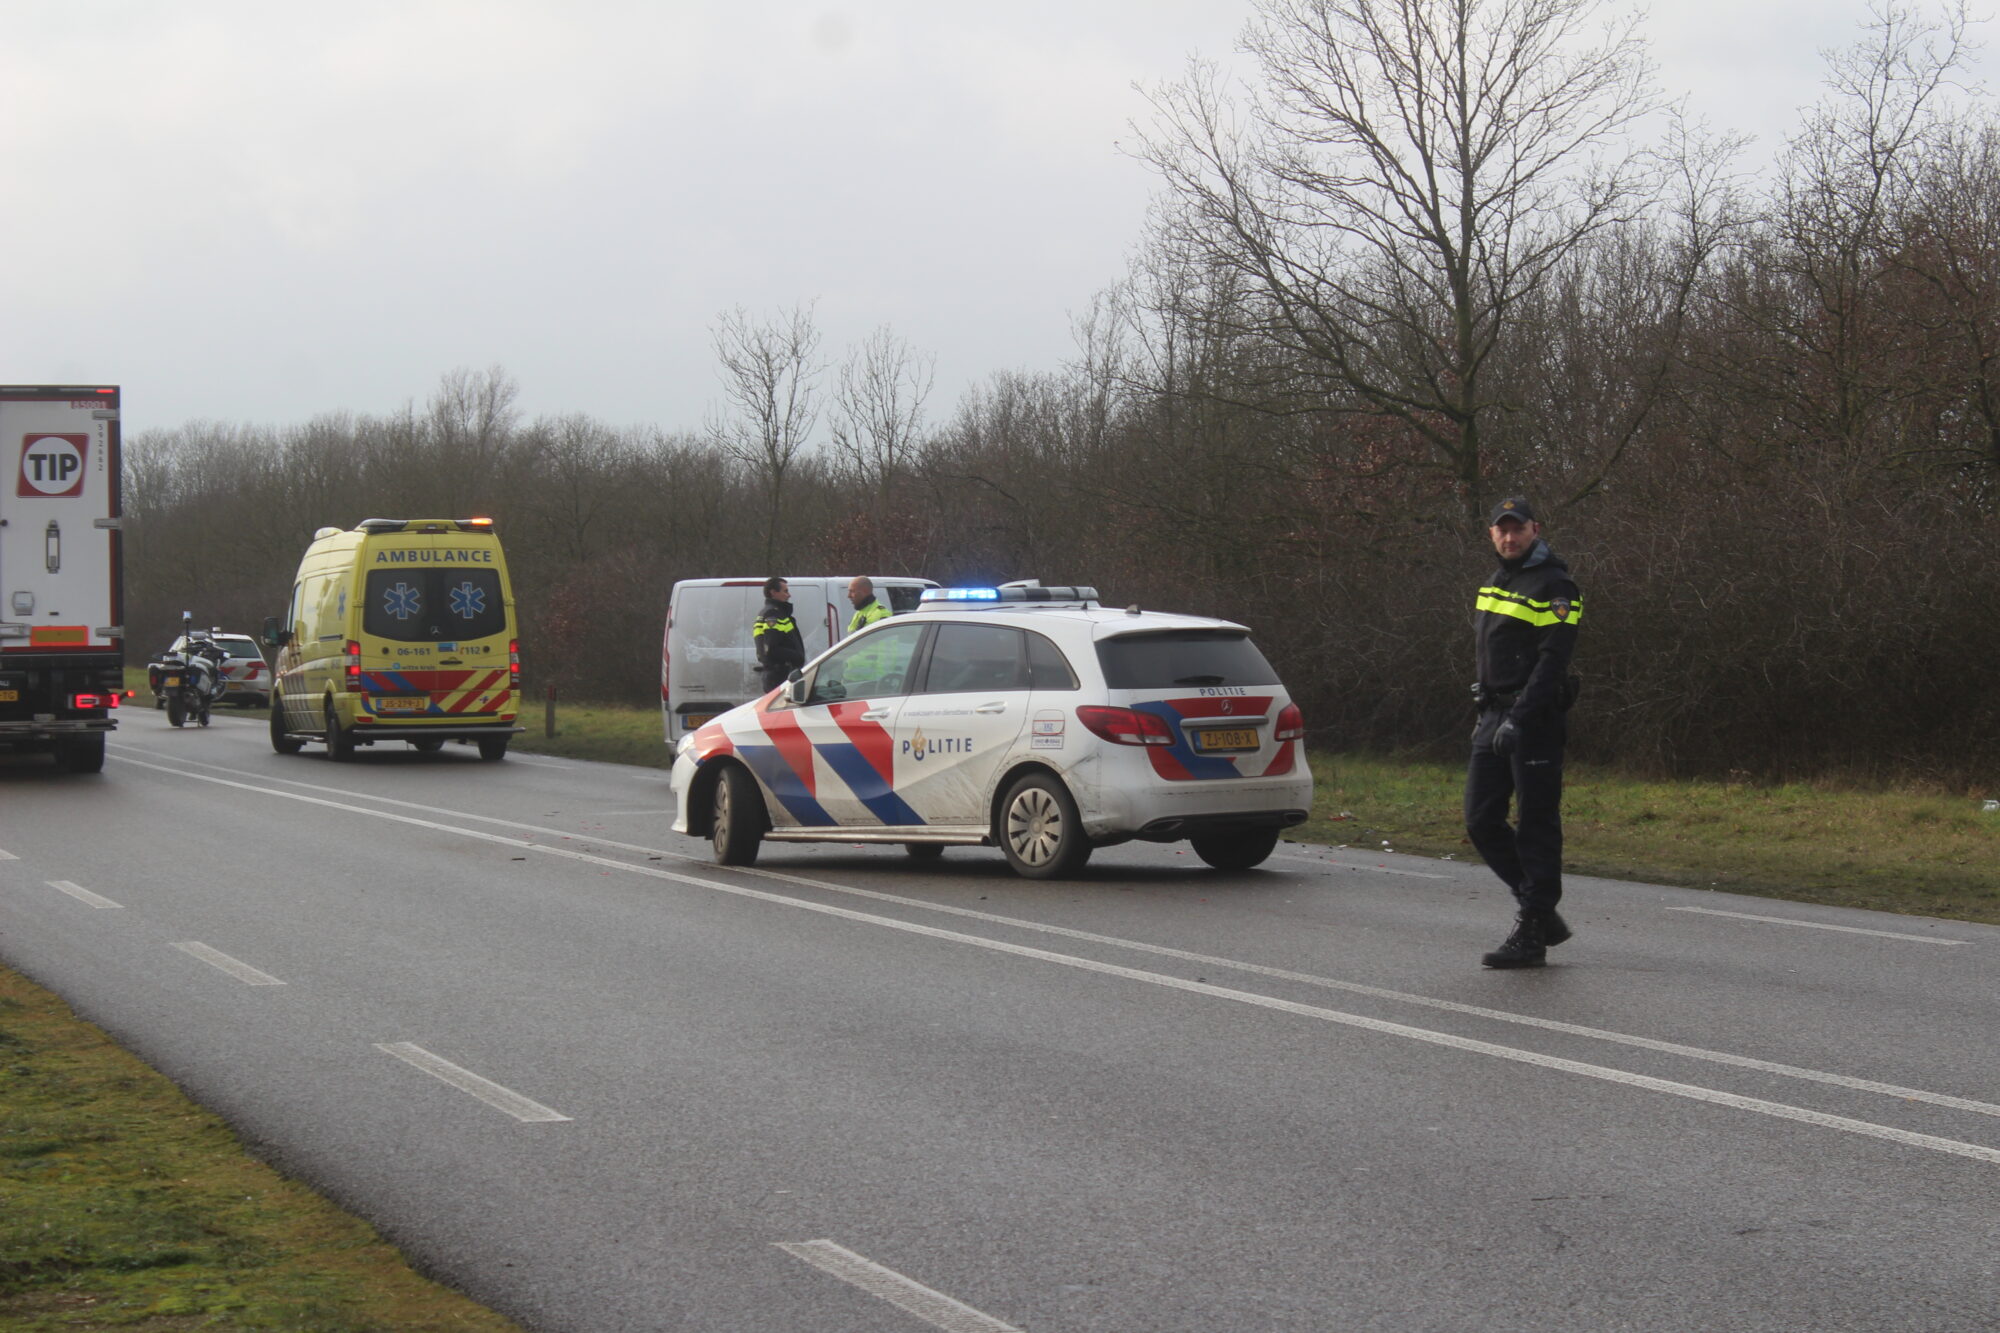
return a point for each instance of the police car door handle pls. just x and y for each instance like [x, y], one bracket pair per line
[997, 706]
[877, 715]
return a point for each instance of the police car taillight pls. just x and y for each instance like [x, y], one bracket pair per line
[1291, 724]
[353, 665]
[513, 664]
[1125, 726]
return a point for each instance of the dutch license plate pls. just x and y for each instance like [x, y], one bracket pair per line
[170, 681]
[10, 696]
[408, 704]
[1216, 740]
[693, 720]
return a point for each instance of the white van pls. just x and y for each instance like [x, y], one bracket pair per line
[707, 661]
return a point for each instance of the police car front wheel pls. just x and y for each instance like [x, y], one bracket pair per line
[1040, 831]
[739, 822]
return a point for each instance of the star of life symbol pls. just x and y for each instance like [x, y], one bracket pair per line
[402, 601]
[468, 600]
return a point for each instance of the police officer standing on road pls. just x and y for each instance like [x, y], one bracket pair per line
[780, 649]
[861, 592]
[1525, 624]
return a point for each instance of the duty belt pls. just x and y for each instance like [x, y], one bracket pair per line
[1492, 700]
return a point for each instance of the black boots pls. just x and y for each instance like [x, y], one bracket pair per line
[1529, 945]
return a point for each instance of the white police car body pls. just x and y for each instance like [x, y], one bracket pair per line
[1029, 718]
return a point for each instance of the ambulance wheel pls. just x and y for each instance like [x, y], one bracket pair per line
[176, 715]
[281, 740]
[1040, 830]
[740, 819]
[339, 745]
[493, 747]
[82, 754]
[1236, 850]
[924, 851]
[431, 746]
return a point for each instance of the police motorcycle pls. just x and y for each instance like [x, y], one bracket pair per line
[191, 679]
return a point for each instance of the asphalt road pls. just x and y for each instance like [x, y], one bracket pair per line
[601, 1084]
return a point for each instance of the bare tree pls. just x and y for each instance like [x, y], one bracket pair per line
[471, 420]
[878, 407]
[770, 372]
[1411, 172]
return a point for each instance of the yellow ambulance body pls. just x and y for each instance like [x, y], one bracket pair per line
[398, 630]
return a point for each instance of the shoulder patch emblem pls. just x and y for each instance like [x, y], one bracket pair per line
[1560, 608]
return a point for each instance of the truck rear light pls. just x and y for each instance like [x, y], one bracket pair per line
[513, 664]
[93, 700]
[353, 666]
[1291, 724]
[1125, 726]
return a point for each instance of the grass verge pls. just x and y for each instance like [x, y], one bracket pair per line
[125, 1206]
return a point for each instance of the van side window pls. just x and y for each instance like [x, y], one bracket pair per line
[969, 658]
[869, 666]
[323, 595]
[1047, 666]
[903, 599]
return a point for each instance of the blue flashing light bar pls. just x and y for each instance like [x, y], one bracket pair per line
[945, 598]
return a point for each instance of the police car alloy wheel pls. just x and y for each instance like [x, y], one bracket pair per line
[1040, 830]
[739, 817]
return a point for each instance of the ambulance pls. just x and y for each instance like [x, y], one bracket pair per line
[398, 630]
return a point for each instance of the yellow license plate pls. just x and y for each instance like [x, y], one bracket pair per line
[415, 704]
[170, 681]
[10, 696]
[1218, 739]
[693, 720]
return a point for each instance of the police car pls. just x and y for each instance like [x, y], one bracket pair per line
[1030, 718]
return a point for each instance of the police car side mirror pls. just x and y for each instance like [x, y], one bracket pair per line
[795, 687]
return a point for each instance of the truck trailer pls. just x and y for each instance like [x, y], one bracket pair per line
[62, 602]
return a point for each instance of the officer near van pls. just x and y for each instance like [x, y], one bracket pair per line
[861, 592]
[1524, 623]
[780, 649]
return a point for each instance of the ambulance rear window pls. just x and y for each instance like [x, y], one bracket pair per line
[1181, 657]
[429, 605]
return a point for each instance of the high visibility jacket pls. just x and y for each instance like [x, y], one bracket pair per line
[1524, 623]
[867, 614]
[776, 634]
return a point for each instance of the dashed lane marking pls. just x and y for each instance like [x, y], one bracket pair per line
[81, 894]
[932, 1306]
[235, 967]
[524, 1109]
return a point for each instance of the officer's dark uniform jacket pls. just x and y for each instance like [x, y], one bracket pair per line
[1525, 623]
[780, 649]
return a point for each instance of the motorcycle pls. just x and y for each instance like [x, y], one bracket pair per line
[191, 680]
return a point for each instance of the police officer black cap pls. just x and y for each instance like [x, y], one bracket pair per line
[1517, 507]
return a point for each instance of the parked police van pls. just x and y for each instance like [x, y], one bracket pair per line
[398, 630]
[708, 663]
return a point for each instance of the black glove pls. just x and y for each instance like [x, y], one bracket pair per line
[1506, 737]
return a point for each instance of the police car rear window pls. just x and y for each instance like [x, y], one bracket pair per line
[1170, 659]
[429, 605]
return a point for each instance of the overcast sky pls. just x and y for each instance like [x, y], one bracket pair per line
[257, 211]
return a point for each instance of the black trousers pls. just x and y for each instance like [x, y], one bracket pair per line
[1527, 854]
[775, 676]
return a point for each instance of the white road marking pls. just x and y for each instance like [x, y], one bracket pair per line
[1206, 960]
[606, 814]
[6, 855]
[81, 894]
[519, 758]
[1349, 865]
[1779, 1110]
[235, 967]
[1815, 925]
[933, 1307]
[486, 1090]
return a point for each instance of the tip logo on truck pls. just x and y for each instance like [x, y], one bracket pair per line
[52, 466]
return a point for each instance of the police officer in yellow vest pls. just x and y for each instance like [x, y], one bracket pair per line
[861, 592]
[1524, 621]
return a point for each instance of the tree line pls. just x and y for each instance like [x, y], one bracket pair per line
[1427, 256]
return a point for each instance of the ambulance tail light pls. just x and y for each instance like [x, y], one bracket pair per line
[1125, 726]
[513, 664]
[353, 673]
[1291, 724]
